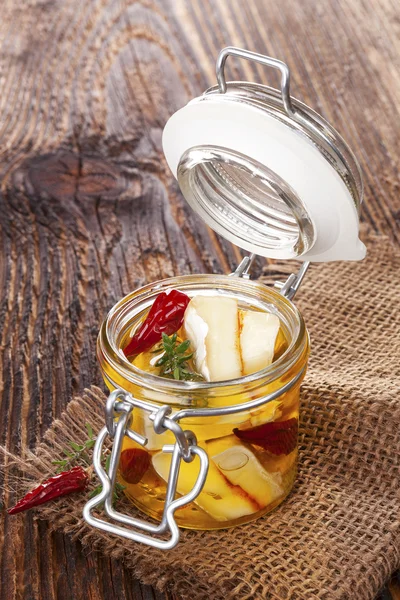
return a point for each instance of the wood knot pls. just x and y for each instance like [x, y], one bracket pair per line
[69, 176]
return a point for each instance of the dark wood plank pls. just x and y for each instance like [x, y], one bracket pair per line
[89, 211]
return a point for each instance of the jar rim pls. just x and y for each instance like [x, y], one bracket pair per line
[109, 351]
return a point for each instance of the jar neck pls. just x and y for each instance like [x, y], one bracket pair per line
[118, 372]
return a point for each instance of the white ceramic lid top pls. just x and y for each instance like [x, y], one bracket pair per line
[322, 195]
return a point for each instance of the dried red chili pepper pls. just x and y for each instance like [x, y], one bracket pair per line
[165, 316]
[133, 464]
[67, 482]
[278, 437]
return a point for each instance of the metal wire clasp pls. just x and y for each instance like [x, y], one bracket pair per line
[259, 58]
[287, 288]
[120, 404]
[119, 408]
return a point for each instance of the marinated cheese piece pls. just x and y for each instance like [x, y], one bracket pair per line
[228, 342]
[258, 334]
[219, 498]
[211, 324]
[269, 412]
[239, 465]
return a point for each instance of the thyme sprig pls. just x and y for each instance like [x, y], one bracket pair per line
[173, 363]
[80, 456]
[77, 453]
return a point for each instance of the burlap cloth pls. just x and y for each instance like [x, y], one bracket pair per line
[337, 536]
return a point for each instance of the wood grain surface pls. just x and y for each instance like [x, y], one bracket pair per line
[89, 210]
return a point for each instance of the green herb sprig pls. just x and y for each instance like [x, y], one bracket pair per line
[173, 363]
[78, 452]
[80, 456]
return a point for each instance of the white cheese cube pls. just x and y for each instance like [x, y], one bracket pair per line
[212, 325]
[257, 339]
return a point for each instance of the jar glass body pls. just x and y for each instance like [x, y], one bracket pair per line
[248, 475]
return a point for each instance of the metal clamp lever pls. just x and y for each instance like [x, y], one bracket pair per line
[287, 288]
[243, 268]
[123, 403]
[293, 282]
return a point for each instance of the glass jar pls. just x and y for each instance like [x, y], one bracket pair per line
[270, 175]
[245, 479]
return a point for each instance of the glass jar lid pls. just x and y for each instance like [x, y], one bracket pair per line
[265, 171]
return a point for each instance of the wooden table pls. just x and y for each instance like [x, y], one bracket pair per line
[89, 210]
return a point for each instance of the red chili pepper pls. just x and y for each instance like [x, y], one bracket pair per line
[165, 316]
[67, 482]
[133, 464]
[278, 437]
